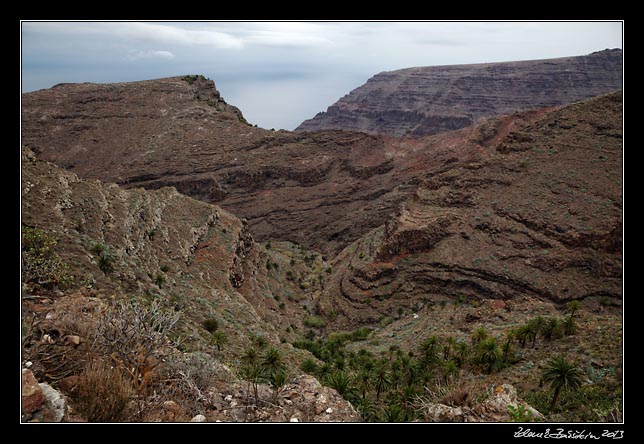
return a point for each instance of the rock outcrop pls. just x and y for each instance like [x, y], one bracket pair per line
[415, 102]
[40, 401]
[496, 408]
[303, 399]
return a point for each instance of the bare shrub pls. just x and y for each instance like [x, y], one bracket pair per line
[190, 377]
[458, 397]
[103, 393]
[134, 334]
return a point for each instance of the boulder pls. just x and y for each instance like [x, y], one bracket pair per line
[198, 418]
[171, 410]
[72, 340]
[54, 402]
[32, 395]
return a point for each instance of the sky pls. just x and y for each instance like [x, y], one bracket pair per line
[281, 73]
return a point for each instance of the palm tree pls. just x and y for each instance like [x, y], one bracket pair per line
[341, 382]
[429, 348]
[572, 307]
[479, 335]
[462, 350]
[393, 413]
[489, 353]
[450, 370]
[507, 346]
[363, 381]
[218, 339]
[382, 379]
[272, 360]
[523, 334]
[277, 380]
[366, 409]
[561, 375]
[536, 326]
[552, 329]
[450, 342]
[569, 326]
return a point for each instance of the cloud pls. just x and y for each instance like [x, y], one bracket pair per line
[136, 31]
[147, 55]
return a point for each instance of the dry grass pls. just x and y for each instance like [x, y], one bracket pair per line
[103, 393]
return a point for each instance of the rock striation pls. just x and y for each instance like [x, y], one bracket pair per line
[170, 132]
[420, 101]
[539, 214]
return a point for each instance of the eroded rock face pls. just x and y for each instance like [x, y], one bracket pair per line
[321, 190]
[540, 215]
[192, 253]
[429, 100]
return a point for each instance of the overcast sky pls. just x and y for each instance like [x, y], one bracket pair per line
[281, 73]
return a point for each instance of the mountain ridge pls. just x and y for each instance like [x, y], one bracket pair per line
[427, 100]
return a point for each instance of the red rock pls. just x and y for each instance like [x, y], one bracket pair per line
[498, 304]
[32, 396]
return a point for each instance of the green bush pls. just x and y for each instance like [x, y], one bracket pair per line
[210, 324]
[40, 263]
[159, 279]
[314, 322]
[309, 366]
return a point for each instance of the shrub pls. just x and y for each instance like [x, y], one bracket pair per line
[103, 393]
[218, 339]
[40, 263]
[106, 262]
[309, 366]
[159, 279]
[210, 324]
[98, 248]
[314, 322]
[136, 336]
[519, 413]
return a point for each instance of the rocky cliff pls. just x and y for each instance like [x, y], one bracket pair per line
[414, 102]
[538, 214]
[321, 190]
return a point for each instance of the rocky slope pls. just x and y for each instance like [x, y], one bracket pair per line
[157, 246]
[427, 100]
[539, 214]
[321, 190]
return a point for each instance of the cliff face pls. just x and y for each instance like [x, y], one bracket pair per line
[539, 214]
[428, 100]
[321, 190]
